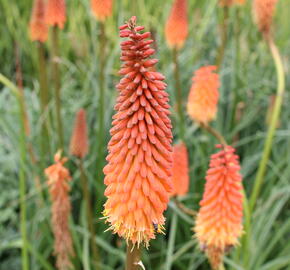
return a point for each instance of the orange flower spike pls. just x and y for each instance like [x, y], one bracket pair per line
[38, 29]
[58, 178]
[263, 13]
[56, 13]
[102, 9]
[176, 28]
[138, 174]
[79, 140]
[219, 221]
[203, 96]
[180, 176]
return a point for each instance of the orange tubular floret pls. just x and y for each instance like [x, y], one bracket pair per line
[219, 220]
[79, 140]
[180, 176]
[102, 9]
[58, 183]
[203, 96]
[55, 13]
[176, 29]
[138, 174]
[263, 13]
[38, 29]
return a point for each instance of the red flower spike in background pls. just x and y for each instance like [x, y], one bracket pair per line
[263, 13]
[79, 141]
[38, 29]
[58, 182]
[102, 9]
[203, 96]
[180, 177]
[55, 13]
[138, 174]
[219, 221]
[176, 29]
[228, 3]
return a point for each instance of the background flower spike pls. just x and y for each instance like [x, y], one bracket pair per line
[219, 220]
[38, 29]
[203, 96]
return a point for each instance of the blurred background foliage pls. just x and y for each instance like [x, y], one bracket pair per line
[248, 81]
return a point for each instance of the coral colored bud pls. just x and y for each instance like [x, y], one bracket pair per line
[102, 9]
[263, 13]
[203, 96]
[176, 28]
[79, 139]
[58, 183]
[55, 13]
[38, 29]
[138, 173]
[180, 177]
[219, 221]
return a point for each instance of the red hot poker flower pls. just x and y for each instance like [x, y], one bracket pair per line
[203, 96]
[79, 141]
[264, 12]
[55, 13]
[102, 9]
[37, 26]
[138, 174]
[180, 177]
[176, 29]
[219, 221]
[58, 178]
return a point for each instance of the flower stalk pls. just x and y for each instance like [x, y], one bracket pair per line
[178, 93]
[101, 113]
[133, 256]
[44, 99]
[224, 37]
[273, 120]
[57, 87]
[88, 206]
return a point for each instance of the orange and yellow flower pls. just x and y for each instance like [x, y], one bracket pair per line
[204, 94]
[55, 13]
[38, 29]
[227, 3]
[79, 140]
[263, 13]
[180, 176]
[58, 183]
[102, 9]
[219, 220]
[176, 28]
[138, 174]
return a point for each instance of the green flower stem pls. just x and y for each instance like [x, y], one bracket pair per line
[44, 99]
[56, 78]
[178, 93]
[133, 257]
[22, 183]
[171, 241]
[184, 208]
[101, 107]
[215, 133]
[224, 37]
[88, 206]
[273, 122]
